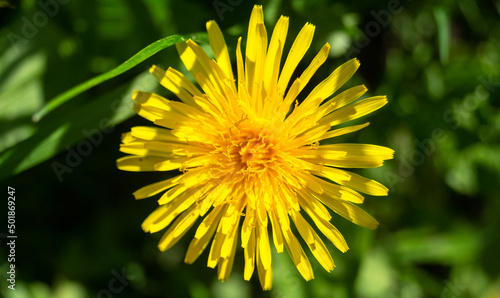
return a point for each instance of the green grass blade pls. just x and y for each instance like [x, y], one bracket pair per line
[444, 33]
[142, 55]
[65, 127]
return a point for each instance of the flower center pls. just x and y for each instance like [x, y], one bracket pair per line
[257, 153]
[253, 150]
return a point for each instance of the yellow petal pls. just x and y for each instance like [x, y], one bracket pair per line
[334, 174]
[297, 52]
[350, 155]
[264, 248]
[165, 214]
[290, 97]
[318, 60]
[215, 249]
[312, 239]
[340, 192]
[189, 59]
[176, 83]
[309, 137]
[247, 227]
[249, 252]
[219, 48]
[138, 163]
[203, 60]
[139, 149]
[179, 80]
[361, 184]
[298, 256]
[302, 227]
[331, 232]
[273, 58]
[204, 233]
[355, 110]
[253, 46]
[212, 94]
[150, 113]
[349, 211]
[169, 165]
[277, 235]
[154, 134]
[288, 197]
[207, 105]
[153, 189]
[342, 131]
[210, 221]
[174, 193]
[223, 246]
[128, 138]
[310, 182]
[240, 68]
[265, 271]
[258, 71]
[151, 100]
[314, 204]
[179, 228]
[166, 118]
[335, 80]
[344, 98]
[291, 245]
[188, 111]
[227, 249]
[226, 264]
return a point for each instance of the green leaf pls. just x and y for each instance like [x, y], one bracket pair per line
[443, 31]
[21, 94]
[142, 55]
[75, 122]
[70, 125]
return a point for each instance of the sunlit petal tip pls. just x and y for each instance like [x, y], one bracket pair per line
[209, 24]
[125, 137]
[355, 61]
[257, 8]
[191, 43]
[135, 93]
[154, 69]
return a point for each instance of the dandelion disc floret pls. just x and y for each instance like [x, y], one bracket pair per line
[250, 160]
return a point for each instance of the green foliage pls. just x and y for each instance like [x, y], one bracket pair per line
[79, 227]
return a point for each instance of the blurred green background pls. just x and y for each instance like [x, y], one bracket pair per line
[78, 225]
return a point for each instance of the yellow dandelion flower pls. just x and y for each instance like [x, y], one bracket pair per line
[244, 156]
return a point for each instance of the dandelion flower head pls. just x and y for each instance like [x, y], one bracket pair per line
[250, 166]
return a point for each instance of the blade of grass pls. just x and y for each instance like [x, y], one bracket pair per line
[66, 127]
[443, 31]
[142, 55]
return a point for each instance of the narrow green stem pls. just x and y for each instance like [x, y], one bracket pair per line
[142, 55]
